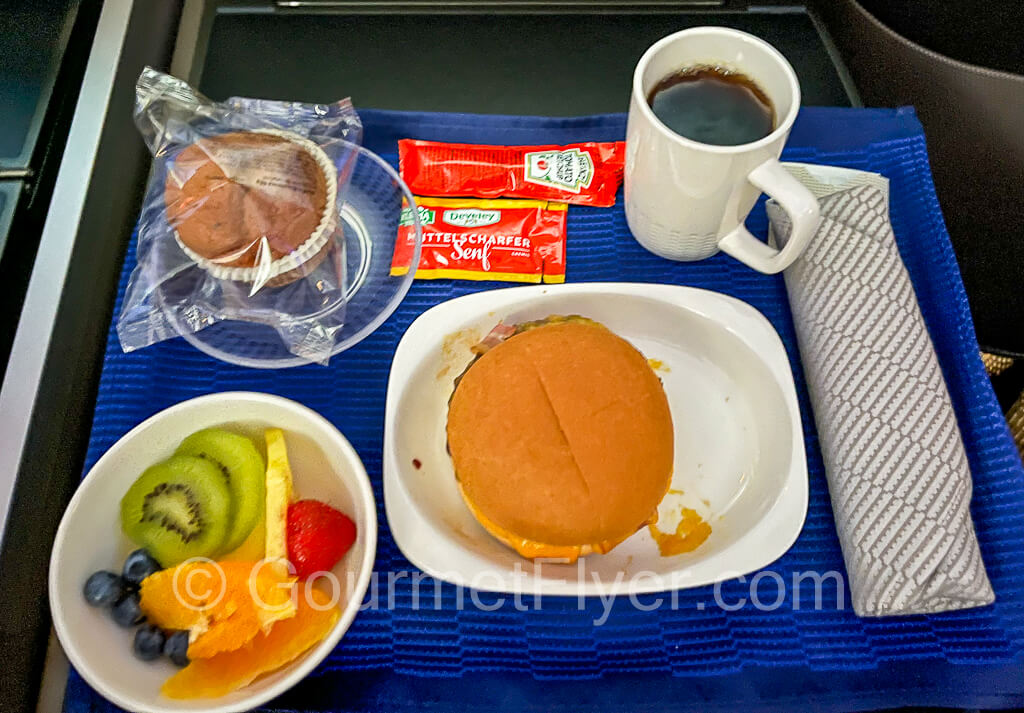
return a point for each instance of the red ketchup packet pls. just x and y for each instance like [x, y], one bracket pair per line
[584, 174]
[467, 239]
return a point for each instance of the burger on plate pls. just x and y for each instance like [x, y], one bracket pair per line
[561, 438]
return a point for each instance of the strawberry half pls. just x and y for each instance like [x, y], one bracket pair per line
[318, 536]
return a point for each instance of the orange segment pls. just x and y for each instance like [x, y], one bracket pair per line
[222, 604]
[287, 640]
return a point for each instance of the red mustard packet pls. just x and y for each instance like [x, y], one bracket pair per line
[467, 239]
[584, 174]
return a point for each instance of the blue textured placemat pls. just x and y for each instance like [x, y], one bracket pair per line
[507, 650]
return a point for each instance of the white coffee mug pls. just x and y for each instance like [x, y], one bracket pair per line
[686, 200]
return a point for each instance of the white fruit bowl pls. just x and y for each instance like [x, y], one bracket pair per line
[325, 467]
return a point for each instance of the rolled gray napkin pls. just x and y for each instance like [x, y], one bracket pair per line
[895, 462]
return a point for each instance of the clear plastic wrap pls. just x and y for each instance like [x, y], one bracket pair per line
[241, 217]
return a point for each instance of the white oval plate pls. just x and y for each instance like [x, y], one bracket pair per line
[739, 448]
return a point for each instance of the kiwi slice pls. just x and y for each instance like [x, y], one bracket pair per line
[244, 473]
[178, 509]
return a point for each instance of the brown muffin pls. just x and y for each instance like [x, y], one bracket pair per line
[225, 194]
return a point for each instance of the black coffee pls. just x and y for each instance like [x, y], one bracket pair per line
[713, 106]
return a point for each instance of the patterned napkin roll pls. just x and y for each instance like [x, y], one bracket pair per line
[896, 467]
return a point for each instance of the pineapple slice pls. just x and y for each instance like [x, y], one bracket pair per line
[279, 497]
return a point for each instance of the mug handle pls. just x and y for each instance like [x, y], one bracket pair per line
[804, 215]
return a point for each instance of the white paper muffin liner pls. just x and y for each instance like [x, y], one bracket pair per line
[266, 272]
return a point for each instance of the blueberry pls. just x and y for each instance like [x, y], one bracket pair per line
[176, 648]
[127, 611]
[103, 589]
[149, 643]
[139, 565]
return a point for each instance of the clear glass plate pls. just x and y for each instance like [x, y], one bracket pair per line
[365, 240]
